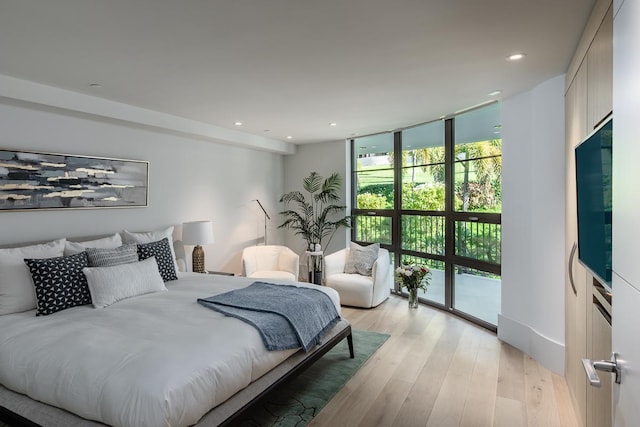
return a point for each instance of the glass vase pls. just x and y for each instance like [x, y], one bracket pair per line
[413, 298]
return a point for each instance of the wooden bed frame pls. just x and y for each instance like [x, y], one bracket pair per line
[18, 410]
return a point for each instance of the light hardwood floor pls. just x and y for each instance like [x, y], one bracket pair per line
[439, 370]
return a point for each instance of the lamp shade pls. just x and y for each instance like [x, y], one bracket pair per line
[197, 233]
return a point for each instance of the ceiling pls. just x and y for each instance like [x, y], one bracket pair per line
[291, 67]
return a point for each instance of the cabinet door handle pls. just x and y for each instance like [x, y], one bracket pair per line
[573, 253]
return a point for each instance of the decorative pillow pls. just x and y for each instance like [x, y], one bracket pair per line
[150, 237]
[110, 242]
[16, 287]
[161, 251]
[107, 257]
[59, 282]
[112, 284]
[361, 259]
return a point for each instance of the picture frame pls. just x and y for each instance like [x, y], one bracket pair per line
[31, 180]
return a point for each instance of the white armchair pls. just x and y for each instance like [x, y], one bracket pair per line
[270, 262]
[357, 290]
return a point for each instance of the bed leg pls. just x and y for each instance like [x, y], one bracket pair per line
[350, 342]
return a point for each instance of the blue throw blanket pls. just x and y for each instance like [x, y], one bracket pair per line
[286, 316]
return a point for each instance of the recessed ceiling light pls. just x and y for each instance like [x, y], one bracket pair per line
[95, 85]
[495, 92]
[238, 123]
[515, 57]
[289, 137]
[333, 124]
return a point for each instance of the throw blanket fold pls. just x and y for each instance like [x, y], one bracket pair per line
[286, 316]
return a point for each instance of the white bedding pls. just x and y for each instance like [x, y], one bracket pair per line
[158, 359]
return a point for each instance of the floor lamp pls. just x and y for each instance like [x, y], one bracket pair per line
[266, 217]
[197, 233]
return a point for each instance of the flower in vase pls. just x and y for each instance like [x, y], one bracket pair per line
[413, 276]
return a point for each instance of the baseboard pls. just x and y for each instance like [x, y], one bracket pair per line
[547, 352]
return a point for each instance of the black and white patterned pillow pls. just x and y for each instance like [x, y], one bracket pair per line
[59, 282]
[361, 259]
[164, 258]
[99, 257]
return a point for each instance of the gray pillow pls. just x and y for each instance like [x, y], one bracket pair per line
[112, 284]
[361, 259]
[100, 257]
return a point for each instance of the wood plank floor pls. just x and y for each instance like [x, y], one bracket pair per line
[439, 370]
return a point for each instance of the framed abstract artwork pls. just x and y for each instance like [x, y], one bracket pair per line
[31, 181]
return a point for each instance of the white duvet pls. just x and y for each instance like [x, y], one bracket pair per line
[159, 359]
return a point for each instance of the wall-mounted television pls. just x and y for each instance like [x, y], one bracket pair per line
[594, 195]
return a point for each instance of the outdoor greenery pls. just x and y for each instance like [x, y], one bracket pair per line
[478, 169]
[476, 186]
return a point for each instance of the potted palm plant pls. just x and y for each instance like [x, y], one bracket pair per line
[315, 214]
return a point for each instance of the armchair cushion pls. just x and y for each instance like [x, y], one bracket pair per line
[270, 262]
[273, 275]
[361, 258]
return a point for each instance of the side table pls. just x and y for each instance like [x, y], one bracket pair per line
[314, 266]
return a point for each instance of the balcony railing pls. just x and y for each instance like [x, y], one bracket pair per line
[373, 229]
[478, 240]
[423, 234]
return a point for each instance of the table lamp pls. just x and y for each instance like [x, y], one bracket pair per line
[197, 233]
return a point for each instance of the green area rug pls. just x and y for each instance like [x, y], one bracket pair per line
[296, 402]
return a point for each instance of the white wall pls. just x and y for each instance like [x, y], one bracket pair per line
[190, 179]
[532, 317]
[626, 203]
[626, 128]
[324, 158]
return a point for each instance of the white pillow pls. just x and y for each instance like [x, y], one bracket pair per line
[150, 237]
[17, 293]
[112, 284]
[111, 242]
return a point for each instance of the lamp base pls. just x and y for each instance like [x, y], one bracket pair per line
[197, 259]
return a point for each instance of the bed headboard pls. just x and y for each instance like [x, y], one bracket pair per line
[178, 246]
[37, 242]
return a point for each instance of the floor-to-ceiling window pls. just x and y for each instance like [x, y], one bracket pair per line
[431, 194]
[423, 203]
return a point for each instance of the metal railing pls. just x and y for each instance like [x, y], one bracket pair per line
[424, 234]
[374, 229]
[478, 240]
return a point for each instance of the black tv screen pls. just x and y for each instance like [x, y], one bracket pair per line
[594, 195]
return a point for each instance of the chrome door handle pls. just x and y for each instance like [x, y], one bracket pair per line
[591, 366]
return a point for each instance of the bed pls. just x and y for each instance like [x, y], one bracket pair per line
[158, 359]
